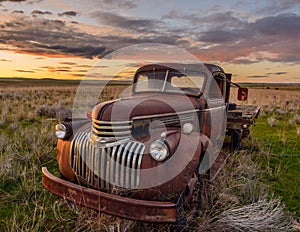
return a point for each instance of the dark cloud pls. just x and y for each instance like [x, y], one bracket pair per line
[68, 13]
[81, 70]
[17, 12]
[243, 61]
[47, 67]
[277, 73]
[84, 66]
[280, 73]
[285, 24]
[68, 63]
[5, 60]
[118, 3]
[50, 38]
[24, 71]
[273, 38]
[83, 50]
[228, 37]
[127, 23]
[39, 12]
[77, 75]
[218, 37]
[275, 6]
[63, 70]
[257, 76]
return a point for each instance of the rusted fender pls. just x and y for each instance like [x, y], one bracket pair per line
[140, 210]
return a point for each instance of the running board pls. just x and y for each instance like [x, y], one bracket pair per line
[218, 165]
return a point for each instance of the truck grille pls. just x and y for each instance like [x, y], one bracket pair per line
[109, 129]
[107, 168]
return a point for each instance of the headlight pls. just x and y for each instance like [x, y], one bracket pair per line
[159, 150]
[60, 131]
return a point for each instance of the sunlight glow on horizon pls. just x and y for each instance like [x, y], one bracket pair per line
[60, 40]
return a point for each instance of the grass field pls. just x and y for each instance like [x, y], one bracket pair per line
[277, 131]
[246, 196]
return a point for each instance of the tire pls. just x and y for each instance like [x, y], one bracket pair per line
[236, 139]
[187, 212]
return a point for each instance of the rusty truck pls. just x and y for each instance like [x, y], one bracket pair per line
[118, 161]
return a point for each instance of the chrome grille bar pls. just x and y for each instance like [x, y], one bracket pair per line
[111, 133]
[106, 168]
[115, 129]
[110, 123]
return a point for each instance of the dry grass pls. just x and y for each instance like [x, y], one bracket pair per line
[236, 201]
[27, 143]
[278, 102]
[263, 215]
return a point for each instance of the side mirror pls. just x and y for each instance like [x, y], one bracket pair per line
[242, 94]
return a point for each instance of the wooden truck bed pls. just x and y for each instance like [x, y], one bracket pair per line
[242, 117]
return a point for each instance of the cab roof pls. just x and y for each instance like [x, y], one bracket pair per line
[194, 67]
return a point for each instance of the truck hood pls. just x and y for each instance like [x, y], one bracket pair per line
[144, 105]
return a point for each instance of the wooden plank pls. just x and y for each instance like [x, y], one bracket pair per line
[242, 115]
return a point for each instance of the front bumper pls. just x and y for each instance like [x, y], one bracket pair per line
[140, 210]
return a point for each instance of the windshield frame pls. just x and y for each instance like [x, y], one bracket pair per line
[163, 90]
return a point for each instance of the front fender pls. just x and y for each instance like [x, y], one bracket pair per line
[183, 163]
[63, 158]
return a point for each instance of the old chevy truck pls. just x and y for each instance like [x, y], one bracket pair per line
[140, 157]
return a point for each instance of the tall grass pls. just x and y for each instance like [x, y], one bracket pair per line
[277, 133]
[27, 142]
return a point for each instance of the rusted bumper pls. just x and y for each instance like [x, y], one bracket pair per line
[150, 211]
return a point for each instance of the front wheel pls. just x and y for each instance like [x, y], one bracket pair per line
[189, 203]
[236, 139]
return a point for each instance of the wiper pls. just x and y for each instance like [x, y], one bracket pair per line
[165, 81]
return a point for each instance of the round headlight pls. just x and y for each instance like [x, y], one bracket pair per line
[60, 131]
[159, 150]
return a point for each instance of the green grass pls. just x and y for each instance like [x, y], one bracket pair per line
[281, 158]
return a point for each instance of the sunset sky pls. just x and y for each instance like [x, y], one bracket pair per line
[257, 41]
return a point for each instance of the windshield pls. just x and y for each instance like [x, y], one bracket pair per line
[169, 81]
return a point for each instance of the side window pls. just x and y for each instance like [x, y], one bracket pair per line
[142, 83]
[218, 86]
[149, 81]
[187, 81]
[214, 90]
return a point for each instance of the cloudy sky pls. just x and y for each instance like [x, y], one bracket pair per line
[258, 41]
